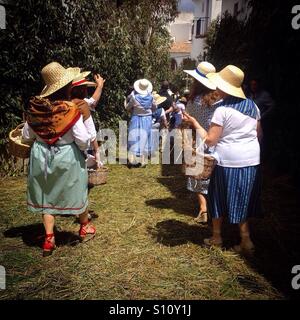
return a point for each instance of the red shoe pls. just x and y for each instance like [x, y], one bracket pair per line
[84, 234]
[48, 246]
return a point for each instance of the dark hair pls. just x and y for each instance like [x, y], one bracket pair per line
[165, 85]
[209, 97]
[79, 92]
[61, 94]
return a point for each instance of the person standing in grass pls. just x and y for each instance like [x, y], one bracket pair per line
[141, 105]
[57, 179]
[201, 106]
[234, 190]
[79, 95]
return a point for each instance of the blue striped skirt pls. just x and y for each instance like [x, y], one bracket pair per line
[139, 137]
[235, 192]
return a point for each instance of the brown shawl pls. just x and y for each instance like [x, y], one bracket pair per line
[51, 120]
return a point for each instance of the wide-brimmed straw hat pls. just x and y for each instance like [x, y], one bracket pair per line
[182, 99]
[200, 74]
[229, 80]
[56, 77]
[143, 86]
[158, 98]
[82, 81]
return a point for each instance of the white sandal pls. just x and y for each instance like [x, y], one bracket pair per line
[202, 217]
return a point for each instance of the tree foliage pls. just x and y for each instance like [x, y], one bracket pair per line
[265, 46]
[122, 40]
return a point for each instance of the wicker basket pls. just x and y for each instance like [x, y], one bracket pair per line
[98, 176]
[16, 147]
[209, 164]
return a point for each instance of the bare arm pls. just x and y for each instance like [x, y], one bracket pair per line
[212, 136]
[100, 83]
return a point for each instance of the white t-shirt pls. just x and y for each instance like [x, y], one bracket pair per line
[238, 146]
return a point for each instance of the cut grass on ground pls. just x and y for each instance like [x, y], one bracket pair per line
[147, 246]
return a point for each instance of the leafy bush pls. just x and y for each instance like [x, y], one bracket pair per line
[122, 40]
[265, 46]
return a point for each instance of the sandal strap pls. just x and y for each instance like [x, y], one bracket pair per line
[48, 244]
[83, 232]
[49, 235]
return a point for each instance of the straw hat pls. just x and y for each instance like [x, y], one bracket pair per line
[143, 86]
[200, 74]
[158, 98]
[182, 99]
[81, 80]
[229, 80]
[56, 77]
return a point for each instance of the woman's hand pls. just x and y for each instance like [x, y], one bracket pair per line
[190, 120]
[99, 80]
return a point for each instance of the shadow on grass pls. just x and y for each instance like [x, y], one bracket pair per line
[276, 236]
[182, 201]
[174, 233]
[33, 235]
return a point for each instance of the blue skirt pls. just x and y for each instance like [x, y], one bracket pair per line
[57, 180]
[235, 192]
[139, 137]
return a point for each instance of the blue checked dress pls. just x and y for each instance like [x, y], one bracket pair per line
[203, 115]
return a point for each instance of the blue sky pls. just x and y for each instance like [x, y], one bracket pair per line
[186, 5]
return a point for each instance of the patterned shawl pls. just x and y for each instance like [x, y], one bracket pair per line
[245, 106]
[51, 120]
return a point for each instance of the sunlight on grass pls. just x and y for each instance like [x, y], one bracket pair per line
[147, 246]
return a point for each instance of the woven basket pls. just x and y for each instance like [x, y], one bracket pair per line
[209, 164]
[16, 147]
[98, 176]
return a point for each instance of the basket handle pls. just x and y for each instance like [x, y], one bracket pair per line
[20, 126]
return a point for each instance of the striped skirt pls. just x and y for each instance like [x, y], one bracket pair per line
[235, 192]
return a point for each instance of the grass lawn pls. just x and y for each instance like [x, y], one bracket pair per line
[147, 245]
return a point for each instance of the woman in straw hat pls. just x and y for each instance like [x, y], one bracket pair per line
[235, 183]
[80, 92]
[201, 106]
[57, 180]
[159, 119]
[141, 105]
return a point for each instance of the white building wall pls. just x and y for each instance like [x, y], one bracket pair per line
[181, 32]
[203, 8]
[212, 9]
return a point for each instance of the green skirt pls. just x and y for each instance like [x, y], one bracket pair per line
[57, 180]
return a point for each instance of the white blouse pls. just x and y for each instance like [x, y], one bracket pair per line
[90, 126]
[238, 145]
[78, 134]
